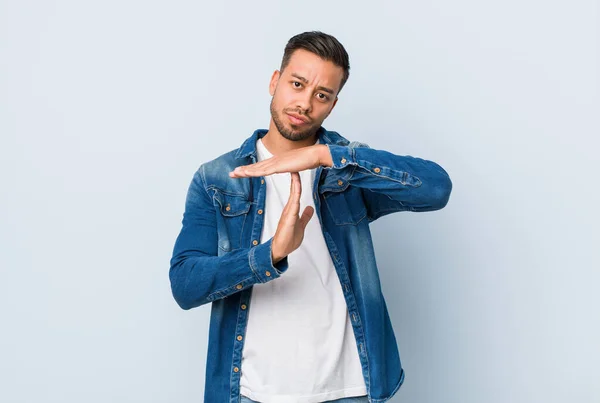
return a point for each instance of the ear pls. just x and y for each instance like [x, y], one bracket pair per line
[333, 106]
[274, 81]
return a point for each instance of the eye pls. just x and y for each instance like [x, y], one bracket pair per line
[322, 96]
[296, 84]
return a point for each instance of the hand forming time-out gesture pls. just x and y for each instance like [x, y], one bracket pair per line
[290, 229]
[291, 226]
[290, 161]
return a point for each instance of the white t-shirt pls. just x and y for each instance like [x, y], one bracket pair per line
[299, 346]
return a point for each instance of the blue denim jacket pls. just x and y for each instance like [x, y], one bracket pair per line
[217, 256]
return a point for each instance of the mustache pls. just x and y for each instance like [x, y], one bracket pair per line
[298, 112]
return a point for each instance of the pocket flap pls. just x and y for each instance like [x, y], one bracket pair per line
[232, 205]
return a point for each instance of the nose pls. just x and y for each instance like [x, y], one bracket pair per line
[304, 102]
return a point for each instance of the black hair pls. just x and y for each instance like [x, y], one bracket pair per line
[323, 45]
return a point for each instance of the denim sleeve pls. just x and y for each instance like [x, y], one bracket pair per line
[197, 274]
[391, 182]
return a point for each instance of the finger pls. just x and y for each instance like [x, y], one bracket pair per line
[293, 204]
[242, 172]
[237, 173]
[290, 198]
[307, 214]
[263, 168]
[245, 171]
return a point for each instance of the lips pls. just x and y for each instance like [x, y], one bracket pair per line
[296, 119]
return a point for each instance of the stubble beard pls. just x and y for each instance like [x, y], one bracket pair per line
[290, 133]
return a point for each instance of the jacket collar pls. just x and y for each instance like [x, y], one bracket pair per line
[248, 148]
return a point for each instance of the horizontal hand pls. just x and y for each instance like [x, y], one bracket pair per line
[290, 161]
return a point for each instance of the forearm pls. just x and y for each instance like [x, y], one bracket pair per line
[197, 273]
[198, 278]
[417, 184]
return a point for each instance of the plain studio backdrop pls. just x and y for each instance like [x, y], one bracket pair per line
[108, 108]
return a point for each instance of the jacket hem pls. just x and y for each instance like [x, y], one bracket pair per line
[385, 399]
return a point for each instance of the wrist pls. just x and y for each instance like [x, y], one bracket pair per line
[275, 256]
[325, 158]
[275, 259]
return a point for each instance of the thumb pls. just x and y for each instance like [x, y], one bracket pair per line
[306, 216]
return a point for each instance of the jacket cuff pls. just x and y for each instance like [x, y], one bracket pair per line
[262, 265]
[344, 162]
[342, 156]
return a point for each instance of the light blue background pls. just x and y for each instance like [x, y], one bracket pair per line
[108, 108]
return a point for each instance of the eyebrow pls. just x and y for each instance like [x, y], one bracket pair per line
[305, 81]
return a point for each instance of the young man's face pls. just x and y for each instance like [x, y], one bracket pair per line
[304, 94]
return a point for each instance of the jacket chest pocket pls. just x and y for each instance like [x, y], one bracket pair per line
[232, 211]
[346, 207]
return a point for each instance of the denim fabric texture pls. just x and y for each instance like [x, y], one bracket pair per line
[217, 257]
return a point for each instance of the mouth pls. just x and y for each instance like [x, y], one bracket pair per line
[297, 119]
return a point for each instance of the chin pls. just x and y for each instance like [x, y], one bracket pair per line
[295, 135]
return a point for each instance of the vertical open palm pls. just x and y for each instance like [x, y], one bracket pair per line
[291, 226]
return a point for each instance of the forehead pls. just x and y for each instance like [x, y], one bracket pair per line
[314, 69]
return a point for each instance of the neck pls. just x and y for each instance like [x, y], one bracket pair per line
[277, 144]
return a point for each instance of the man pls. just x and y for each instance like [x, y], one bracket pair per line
[297, 310]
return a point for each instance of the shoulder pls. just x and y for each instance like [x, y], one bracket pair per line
[215, 173]
[225, 162]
